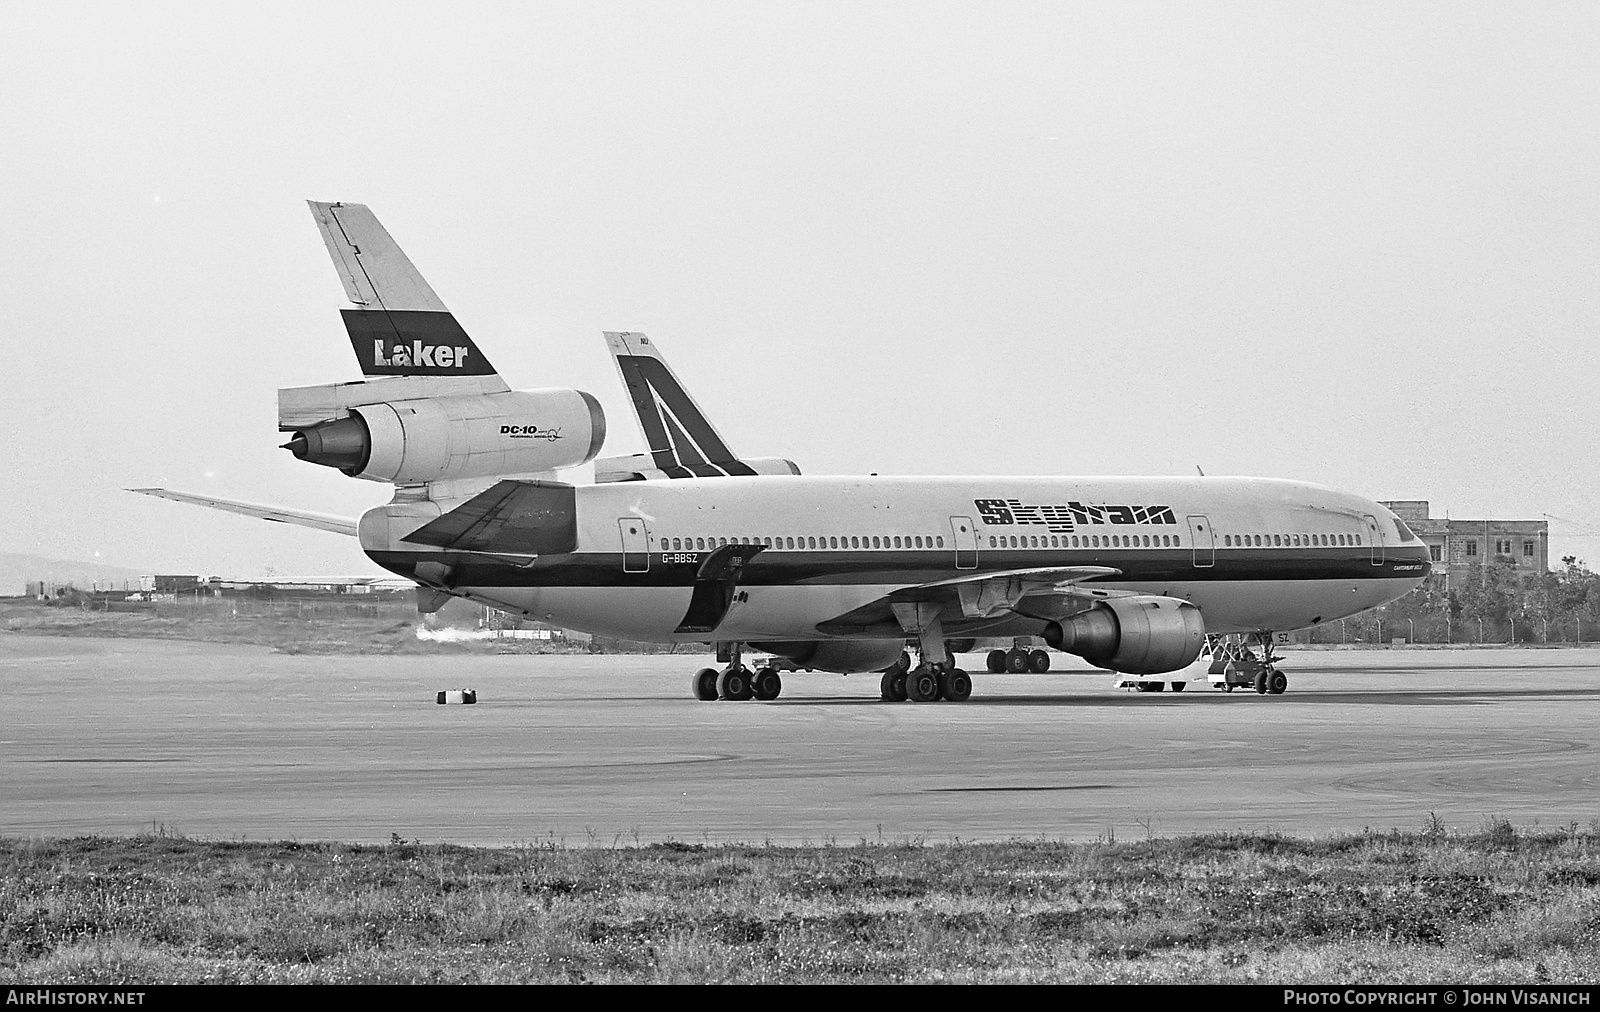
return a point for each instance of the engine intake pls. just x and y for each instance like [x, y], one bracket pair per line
[1134, 635]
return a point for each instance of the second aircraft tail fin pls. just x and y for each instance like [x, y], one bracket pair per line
[680, 439]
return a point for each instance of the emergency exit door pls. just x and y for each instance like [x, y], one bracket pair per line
[1205, 543]
[635, 545]
[966, 539]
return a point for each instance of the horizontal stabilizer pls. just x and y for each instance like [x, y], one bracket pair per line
[277, 514]
[511, 518]
[400, 326]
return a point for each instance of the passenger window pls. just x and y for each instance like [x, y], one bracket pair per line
[1053, 542]
[938, 542]
[1095, 538]
[918, 540]
[992, 541]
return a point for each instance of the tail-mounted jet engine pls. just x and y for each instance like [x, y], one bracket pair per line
[436, 438]
[1134, 635]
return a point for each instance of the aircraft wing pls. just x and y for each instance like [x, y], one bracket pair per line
[975, 597]
[277, 514]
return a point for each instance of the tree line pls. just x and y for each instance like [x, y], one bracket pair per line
[1488, 603]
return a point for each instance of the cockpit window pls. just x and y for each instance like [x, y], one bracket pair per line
[1405, 532]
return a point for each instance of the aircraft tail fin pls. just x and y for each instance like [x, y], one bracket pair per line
[681, 441]
[399, 326]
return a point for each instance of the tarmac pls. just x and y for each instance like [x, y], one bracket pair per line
[121, 736]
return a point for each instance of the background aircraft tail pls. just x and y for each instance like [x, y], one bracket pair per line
[681, 441]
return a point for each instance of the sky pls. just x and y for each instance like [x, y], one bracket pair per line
[1354, 244]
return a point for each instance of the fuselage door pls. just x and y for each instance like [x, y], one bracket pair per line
[1374, 539]
[1205, 543]
[635, 545]
[966, 539]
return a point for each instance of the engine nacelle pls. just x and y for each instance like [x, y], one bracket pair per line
[1135, 635]
[847, 656]
[410, 442]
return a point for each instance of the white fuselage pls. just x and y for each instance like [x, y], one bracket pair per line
[1253, 554]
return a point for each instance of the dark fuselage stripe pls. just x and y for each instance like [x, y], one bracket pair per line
[783, 568]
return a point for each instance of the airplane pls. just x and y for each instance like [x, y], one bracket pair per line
[831, 572]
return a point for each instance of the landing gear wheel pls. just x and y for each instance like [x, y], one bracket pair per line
[997, 662]
[1277, 683]
[734, 683]
[704, 684]
[955, 685]
[893, 686]
[1017, 662]
[1227, 686]
[1038, 662]
[922, 685]
[1261, 681]
[768, 683]
[1178, 686]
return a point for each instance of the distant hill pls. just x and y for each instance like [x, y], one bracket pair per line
[16, 571]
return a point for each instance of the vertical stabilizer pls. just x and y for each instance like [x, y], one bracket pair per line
[681, 440]
[399, 326]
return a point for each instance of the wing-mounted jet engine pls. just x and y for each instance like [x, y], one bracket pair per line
[1137, 635]
[432, 408]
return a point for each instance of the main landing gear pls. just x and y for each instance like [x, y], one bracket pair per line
[1018, 661]
[736, 681]
[1234, 665]
[924, 682]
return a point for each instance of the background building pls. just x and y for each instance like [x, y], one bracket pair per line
[1459, 545]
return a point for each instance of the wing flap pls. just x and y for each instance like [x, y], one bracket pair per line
[974, 598]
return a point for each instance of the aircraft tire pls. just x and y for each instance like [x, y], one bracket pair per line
[734, 683]
[1261, 682]
[922, 685]
[704, 684]
[1038, 662]
[1017, 662]
[767, 684]
[1178, 686]
[893, 686]
[996, 662]
[956, 685]
[1277, 683]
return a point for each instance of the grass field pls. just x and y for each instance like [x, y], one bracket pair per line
[1496, 906]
